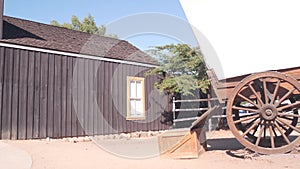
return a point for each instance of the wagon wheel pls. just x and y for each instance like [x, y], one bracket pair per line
[263, 113]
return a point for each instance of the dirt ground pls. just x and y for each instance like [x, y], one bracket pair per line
[224, 152]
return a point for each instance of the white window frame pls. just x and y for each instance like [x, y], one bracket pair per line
[131, 116]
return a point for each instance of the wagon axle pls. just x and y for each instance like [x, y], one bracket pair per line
[268, 112]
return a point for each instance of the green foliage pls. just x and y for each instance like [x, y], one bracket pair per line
[87, 25]
[182, 67]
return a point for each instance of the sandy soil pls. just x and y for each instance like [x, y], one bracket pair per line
[224, 152]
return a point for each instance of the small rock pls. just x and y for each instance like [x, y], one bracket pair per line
[65, 139]
[135, 135]
[111, 136]
[149, 133]
[143, 134]
[87, 139]
[123, 136]
[128, 135]
[80, 139]
[116, 136]
[73, 140]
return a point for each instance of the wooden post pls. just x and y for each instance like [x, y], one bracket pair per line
[173, 110]
[209, 107]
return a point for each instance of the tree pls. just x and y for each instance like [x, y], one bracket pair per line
[183, 69]
[87, 25]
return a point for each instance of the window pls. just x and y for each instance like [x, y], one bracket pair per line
[135, 98]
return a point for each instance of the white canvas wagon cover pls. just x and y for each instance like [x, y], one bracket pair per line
[247, 36]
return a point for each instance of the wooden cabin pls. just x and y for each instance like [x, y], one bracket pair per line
[56, 82]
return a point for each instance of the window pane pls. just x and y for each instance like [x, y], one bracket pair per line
[139, 89]
[139, 107]
[132, 107]
[132, 89]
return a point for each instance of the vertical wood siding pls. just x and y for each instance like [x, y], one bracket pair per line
[48, 95]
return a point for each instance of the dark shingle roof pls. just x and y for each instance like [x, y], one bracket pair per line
[34, 34]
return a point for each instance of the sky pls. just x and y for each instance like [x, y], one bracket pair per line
[111, 13]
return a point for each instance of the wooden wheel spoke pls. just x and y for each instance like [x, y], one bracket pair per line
[286, 118]
[281, 125]
[255, 93]
[284, 97]
[251, 122]
[248, 100]
[275, 92]
[266, 91]
[245, 108]
[271, 137]
[282, 133]
[251, 127]
[255, 130]
[259, 135]
[289, 125]
[273, 128]
[293, 105]
[246, 118]
[265, 132]
[289, 114]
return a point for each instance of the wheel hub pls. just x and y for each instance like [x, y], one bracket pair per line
[268, 112]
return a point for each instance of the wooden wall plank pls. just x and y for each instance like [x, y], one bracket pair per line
[15, 95]
[86, 107]
[105, 98]
[23, 100]
[96, 120]
[7, 94]
[119, 91]
[44, 95]
[71, 122]
[50, 104]
[30, 95]
[147, 99]
[91, 98]
[115, 98]
[100, 96]
[2, 70]
[57, 102]
[128, 73]
[80, 96]
[124, 96]
[64, 119]
[94, 98]
[37, 88]
[109, 98]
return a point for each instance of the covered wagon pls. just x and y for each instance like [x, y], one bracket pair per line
[251, 51]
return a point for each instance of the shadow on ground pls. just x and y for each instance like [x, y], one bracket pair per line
[224, 144]
[232, 147]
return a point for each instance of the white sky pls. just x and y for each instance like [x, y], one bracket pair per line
[247, 35]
